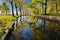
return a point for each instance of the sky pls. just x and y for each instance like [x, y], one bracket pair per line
[26, 1]
[0, 1]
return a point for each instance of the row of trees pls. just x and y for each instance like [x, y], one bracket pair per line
[35, 6]
[44, 6]
[15, 4]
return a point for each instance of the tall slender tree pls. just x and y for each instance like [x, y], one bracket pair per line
[56, 6]
[45, 7]
[19, 4]
[16, 8]
[11, 3]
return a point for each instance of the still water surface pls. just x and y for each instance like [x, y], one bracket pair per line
[34, 28]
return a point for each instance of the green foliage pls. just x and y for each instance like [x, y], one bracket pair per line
[39, 6]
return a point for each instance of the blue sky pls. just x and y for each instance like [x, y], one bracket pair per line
[26, 1]
[0, 1]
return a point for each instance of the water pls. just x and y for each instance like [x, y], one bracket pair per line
[26, 33]
[21, 18]
[32, 26]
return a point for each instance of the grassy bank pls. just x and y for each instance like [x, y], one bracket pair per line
[5, 23]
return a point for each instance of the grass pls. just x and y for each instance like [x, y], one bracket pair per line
[6, 22]
[1, 32]
[53, 14]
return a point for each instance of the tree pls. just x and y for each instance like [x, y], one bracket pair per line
[56, 6]
[45, 7]
[4, 8]
[11, 3]
[16, 9]
[36, 5]
[19, 4]
[16, 6]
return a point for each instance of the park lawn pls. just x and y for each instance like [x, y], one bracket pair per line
[6, 23]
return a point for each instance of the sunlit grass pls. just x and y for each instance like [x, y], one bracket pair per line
[1, 32]
[6, 20]
[6, 23]
[52, 14]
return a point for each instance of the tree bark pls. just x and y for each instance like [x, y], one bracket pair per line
[20, 11]
[6, 12]
[12, 8]
[56, 7]
[42, 6]
[20, 15]
[45, 7]
[16, 9]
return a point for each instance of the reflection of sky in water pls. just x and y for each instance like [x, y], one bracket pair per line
[21, 18]
[40, 20]
[26, 33]
[15, 25]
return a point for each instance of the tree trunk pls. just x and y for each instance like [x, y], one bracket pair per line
[12, 8]
[16, 9]
[45, 7]
[56, 7]
[42, 6]
[20, 15]
[20, 11]
[6, 12]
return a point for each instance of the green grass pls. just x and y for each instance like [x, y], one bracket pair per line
[6, 22]
[53, 14]
[1, 32]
